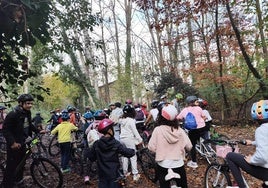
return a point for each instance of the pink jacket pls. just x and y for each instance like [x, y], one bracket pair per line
[168, 144]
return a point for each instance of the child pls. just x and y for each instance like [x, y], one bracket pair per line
[203, 104]
[196, 133]
[169, 142]
[256, 164]
[64, 130]
[91, 136]
[106, 151]
[130, 137]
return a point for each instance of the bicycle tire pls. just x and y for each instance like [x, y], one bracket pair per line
[2, 170]
[148, 164]
[45, 173]
[54, 147]
[3, 150]
[77, 160]
[217, 176]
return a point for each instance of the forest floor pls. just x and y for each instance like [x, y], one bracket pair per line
[195, 177]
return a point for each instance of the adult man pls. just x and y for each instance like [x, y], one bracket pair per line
[16, 128]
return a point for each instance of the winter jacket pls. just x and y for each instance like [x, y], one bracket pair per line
[18, 126]
[168, 144]
[106, 151]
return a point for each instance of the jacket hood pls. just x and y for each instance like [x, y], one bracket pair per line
[171, 135]
[107, 143]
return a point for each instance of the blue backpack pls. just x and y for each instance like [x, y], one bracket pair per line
[190, 122]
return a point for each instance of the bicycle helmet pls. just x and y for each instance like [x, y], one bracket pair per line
[25, 97]
[99, 115]
[169, 112]
[259, 110]
[154, 103]
[161, 105]
[88, 115]
[105, 125]
[163, 97]
[71, 108]
[179, 96]
[65, 115]
[128, 101]
[128, 109]
[2, 108]
[191, 99]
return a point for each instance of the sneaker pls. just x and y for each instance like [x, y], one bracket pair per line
[136, 177]
[127, 174]
[232, 187]
[86, 179]
[192, 164]
[65, 170]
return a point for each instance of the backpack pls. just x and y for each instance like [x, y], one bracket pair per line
[92, 136]
[190, 122]
[139, 115]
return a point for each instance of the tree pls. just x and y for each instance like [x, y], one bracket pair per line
[21, 24]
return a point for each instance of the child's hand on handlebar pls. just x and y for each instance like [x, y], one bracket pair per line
[248, 142]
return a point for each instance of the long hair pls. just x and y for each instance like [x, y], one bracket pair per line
[163, 121]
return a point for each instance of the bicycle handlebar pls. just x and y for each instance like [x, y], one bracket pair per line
[229, 142]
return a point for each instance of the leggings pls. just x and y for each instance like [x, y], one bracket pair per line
[236, 162]
[162, 172]
[194, 136]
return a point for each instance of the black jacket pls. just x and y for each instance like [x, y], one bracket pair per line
[106, 151]
[18, 126]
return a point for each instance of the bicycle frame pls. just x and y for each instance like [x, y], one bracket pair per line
[205, 151]
[29, 152]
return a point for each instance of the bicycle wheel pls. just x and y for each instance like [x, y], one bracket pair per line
[77, 160]
[54, 147]
[148, 164]
[216, 176]
[3, 149]
[45, 173]
[2, 170]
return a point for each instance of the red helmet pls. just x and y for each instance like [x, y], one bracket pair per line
[204, 102]
[105, 125]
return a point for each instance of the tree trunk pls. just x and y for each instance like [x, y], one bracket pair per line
[263, 86]
[127, 81]
[224, 95]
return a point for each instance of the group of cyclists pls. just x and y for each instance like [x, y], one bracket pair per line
[129, 120]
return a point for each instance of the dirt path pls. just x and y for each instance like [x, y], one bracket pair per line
[195, 176]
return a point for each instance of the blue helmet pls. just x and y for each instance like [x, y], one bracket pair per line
[259, 110]
[65, 115]
[88, 115]
[100, 115]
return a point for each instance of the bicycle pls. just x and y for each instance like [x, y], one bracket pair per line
[44, 172]
[54, 147]
[147, 162]
[218, 174]
[204, 148]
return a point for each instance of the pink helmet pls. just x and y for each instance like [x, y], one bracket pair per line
[128, 101]
[105, 125]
